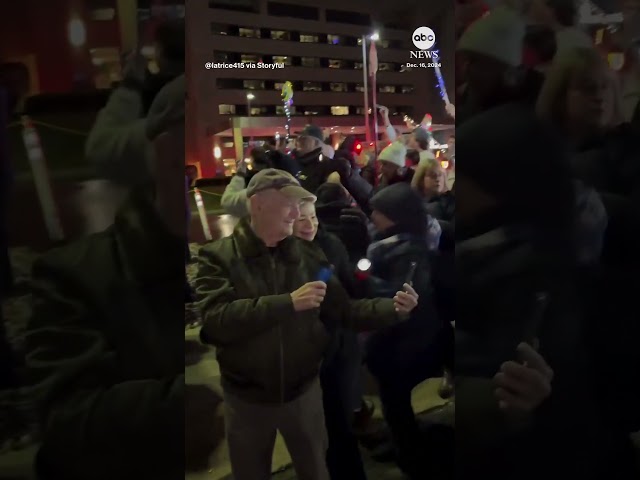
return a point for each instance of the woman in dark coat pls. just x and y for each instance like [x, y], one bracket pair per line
[342, 361]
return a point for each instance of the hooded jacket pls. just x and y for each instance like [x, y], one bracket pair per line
[391, 254]
[268, 353]
[120, 142]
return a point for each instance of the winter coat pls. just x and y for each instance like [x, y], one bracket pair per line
[119, 145]
[442, 207]
[268, 353]
[348, 224]
[313, 171]
[337, 256]
[500, 273]
[234, 198]
[609, 163]
[391, 254]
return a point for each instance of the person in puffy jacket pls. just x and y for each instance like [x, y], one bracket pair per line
[403, 355]
[339, 217]
[312, 156]
[343, 358]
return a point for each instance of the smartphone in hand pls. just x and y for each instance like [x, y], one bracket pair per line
[325, 274]
[532, 327]
[410, 274]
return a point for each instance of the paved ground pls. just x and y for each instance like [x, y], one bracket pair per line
[206, 370]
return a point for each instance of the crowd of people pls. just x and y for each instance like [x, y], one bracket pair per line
[542, 257]
[342, 259]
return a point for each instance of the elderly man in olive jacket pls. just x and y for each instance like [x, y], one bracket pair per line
[267, 307]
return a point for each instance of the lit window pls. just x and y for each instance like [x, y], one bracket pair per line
[224, 109]
[387, 89]
[280, 110]
[383, 43]
[335, 64]
[357, 65]
[312, 112]
[359, 41]
[281, 59]
[280, 35]
[107, 66]
[258, 110]
[333, 39]
[384, 67]
[310, 62]
[312, 87]
[338, 87]
[250, 59]
[308, 39]
[253, 84]
[340, 110]
[249, 32]
[229, 166]
[407, 89]
[227, 144]
[359, 87]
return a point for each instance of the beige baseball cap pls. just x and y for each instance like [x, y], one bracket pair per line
[271, 178]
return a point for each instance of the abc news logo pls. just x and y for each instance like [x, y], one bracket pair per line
[423, 38]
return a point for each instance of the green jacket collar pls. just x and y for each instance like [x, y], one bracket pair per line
[250, 246]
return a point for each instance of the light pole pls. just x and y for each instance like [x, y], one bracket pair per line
[365, 76]
[250, 96]
[366, 88]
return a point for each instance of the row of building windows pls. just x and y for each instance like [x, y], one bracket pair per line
[278, 9]
[311, 62]
[301, 86]
[295, 36]
[271, 110]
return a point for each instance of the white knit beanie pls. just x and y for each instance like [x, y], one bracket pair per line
[395, 153]
[425, 156]
[499, 35]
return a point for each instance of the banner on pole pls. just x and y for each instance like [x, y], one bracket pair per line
[373, 59]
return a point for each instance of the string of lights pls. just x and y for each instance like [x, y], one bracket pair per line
[442, 89]
[287, 100]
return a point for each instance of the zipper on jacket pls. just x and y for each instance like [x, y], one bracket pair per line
[275, 291]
